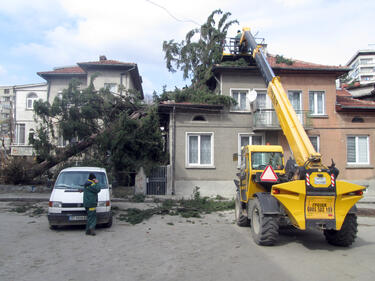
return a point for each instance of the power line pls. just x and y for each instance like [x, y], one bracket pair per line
[169, 13]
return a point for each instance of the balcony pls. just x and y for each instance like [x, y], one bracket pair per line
[266, 119]
[22, 150]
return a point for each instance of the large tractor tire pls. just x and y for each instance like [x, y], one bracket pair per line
[241, 220]
[264, 229]
[346, 235]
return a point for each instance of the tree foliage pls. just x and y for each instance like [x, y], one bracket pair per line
[123, 134]
[195, 57]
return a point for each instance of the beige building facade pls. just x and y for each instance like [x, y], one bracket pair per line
[203, 140]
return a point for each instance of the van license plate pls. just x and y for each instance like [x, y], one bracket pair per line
[77, 218]
[320, 207]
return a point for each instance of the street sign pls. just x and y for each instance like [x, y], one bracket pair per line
[268, 175]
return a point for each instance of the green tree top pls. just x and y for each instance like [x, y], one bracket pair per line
[198, 53]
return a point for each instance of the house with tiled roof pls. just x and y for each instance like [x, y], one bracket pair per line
[118, 77]
[115, 75]
[205, 140]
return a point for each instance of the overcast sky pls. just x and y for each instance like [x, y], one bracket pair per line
[37, 35]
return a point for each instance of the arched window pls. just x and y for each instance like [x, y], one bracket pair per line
[199, 118]
[357, 119]
[31, 136]
[31, 97]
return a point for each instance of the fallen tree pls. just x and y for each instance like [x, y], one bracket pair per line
[122, 133]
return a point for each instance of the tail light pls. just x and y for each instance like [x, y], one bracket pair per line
[108, 203]
[355, 193]
[275, 191]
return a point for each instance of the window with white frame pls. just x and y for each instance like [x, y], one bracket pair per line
[20, 133]
[315, 142]
[366, 61]
[295, 98]
[317, 102]
[240, 96]
[30, 99]
[199, 150]
[357, 149]
[112, 87]
[247, 139]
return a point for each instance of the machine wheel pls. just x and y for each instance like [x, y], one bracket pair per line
[241, 220]
[346, 235]
[264, 229]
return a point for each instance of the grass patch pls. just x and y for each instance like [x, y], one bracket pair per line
[21, 209]
[186, 208]
[135, 216]
[138, 198]
[38, 211]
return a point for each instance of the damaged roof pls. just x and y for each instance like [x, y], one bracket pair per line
[346, 102]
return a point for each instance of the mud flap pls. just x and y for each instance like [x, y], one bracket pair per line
[268, 203]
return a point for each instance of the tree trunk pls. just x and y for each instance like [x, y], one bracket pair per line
[74, 149]
[64, 155]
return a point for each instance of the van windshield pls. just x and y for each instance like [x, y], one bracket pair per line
[77, 179]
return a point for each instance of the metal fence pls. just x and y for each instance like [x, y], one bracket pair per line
[157, 181]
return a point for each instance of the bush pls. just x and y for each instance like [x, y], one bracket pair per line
[17, 170]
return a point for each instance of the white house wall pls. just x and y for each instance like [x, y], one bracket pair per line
[57, 85]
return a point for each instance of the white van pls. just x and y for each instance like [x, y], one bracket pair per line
[66, 201]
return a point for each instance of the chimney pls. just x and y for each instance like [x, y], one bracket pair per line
[101, 58]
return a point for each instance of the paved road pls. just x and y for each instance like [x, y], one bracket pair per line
[175, 248]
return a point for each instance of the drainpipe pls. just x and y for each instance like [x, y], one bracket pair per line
[13, 118]
[219, 82]
[48, 89]
[173, 150]
[122, 74]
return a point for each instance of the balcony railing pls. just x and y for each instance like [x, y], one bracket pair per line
[22, 150]
[267, 119]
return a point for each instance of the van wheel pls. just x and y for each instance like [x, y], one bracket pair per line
[264, 229]
[241, 220]
[346, 235]
[52, 227]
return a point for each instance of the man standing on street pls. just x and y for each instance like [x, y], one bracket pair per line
[90, 201]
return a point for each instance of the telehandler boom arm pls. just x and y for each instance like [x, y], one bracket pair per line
[303, 150]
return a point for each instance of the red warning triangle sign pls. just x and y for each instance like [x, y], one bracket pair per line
[268, 175]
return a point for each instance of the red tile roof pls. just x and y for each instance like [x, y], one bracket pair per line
[300, 64]
[106, 62]
[64, 70]
[345, 102]
[343, 92]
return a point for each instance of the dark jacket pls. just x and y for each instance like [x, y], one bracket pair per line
[90, 194]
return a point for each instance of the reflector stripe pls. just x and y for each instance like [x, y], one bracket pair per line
[333, 180]
[307, 179]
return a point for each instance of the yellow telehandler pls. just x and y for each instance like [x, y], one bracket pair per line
[304, 193]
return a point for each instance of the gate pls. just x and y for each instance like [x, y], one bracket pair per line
[157, 181]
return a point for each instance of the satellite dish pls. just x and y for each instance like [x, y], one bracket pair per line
[252, 96]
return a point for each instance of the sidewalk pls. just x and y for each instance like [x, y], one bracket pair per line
[368, 202]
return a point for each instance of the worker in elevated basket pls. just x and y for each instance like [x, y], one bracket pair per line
[90, 201]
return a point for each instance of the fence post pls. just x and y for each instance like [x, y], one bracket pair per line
[140, 182]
